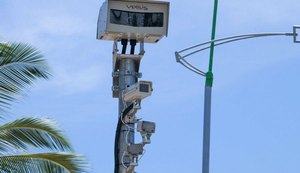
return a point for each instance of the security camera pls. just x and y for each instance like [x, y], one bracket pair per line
[138, 91]
[135, 149]
[146, 129]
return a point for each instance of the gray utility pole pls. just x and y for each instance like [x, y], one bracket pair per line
[127, 77]
[131, 22]
[130, 92]
[206, 129]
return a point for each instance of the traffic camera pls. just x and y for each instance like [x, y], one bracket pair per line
[141, 20]
[138, 91]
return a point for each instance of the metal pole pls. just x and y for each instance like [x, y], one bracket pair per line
[207, 98]
[127, 78]
[213, 34]
[206, 129]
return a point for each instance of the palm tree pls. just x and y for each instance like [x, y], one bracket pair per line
[20, 66]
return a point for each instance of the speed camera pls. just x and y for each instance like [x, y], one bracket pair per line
[138, 91]
[141, 20]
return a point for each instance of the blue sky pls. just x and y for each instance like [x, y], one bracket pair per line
[255, 110]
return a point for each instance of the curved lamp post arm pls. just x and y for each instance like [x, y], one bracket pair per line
[235, 37]
[188, 65]
[180, 58]
[181, 55]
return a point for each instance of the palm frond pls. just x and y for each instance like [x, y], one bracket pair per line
[20, 65]
[41, 133]
[44, 163]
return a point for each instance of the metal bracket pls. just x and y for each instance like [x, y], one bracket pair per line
[295, 34]
[129, 112]
[177, 56]
[116, 64]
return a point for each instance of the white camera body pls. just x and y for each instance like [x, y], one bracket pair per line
[138, 91]
[141, 20]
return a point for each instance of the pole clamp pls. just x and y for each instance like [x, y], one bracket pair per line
[295, 34]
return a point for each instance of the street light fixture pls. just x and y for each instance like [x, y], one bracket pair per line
[182, 54]
[295, 29]
[180, 58]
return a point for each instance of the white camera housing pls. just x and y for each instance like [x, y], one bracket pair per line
[138, 91]
[142, 20]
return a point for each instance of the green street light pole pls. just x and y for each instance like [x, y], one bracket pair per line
[180, 58]
[207, 98]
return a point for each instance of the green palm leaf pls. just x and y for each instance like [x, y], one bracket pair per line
[20, 65]
[36, 132]
[43, 163]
